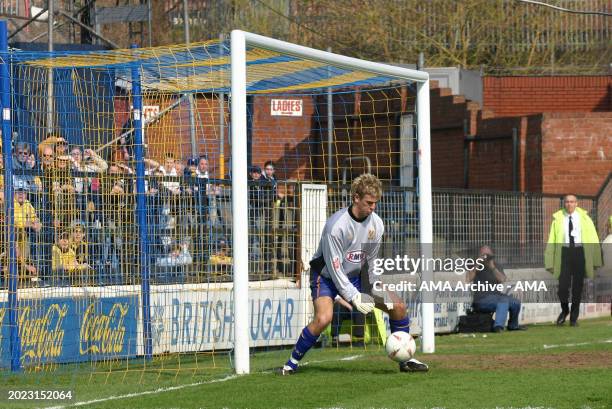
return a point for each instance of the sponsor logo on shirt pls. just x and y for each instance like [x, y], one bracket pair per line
[356, 256]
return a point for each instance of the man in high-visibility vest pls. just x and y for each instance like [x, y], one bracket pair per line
[573, 252]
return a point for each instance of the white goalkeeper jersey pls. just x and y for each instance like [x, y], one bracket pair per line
[345, 246]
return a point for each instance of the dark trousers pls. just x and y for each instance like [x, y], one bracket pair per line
[572, 275]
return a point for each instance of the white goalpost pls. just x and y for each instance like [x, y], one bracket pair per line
[240, 40]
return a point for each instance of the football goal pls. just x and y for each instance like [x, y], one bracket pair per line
[162, 204]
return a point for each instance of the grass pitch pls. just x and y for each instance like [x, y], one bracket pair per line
[544, 367]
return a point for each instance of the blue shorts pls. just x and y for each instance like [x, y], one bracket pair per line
[324, 287]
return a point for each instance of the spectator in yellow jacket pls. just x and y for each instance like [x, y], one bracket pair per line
[64, 260]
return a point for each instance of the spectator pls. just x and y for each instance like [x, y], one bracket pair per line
[87, 189]
[46, 205]
[58, 145]
[269, 176]
[196, 180]
[64, 200]
[153, 206]
[191, 170]
[31, 163]
[79, 244]
[25, 214]
[170, 209]
[171, 168]
[47, 158]
[571, 253]
[25, 267]
[120, 247]
[213, 191]
[202, 169]
[61, 147]
[494, 301]
[26, 222]
[21, 162]
[221, 260]
[256, 222]
[87, 161]
[65, 264]
[268, 202]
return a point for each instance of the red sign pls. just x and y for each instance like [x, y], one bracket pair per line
[286, 107]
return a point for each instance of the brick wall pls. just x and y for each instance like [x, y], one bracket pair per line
[531, 153]
[577, 152]
[557, 151]
[448, 116]
[510, 96]
[291, 142]
[490, 158]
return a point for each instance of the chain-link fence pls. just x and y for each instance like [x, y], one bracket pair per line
[516, 224]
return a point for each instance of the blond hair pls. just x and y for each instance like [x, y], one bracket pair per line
[366, 184]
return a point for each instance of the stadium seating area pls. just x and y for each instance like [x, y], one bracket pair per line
[76, 223]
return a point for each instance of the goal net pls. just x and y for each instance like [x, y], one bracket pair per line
[161, 204]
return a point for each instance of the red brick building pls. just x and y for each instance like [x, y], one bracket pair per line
[562, 128]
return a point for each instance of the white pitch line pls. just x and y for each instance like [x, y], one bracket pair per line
[351, 358]
[578, 344]
[152, 392]
[178, 387]
[346, 358]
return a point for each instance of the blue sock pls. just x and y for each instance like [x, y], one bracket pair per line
[303, 344]
[402, 325]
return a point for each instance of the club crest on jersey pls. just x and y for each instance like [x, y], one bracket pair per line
[336, 263]
[356, 256]
[371, 234]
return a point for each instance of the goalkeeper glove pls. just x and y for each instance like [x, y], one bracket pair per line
[363, 303]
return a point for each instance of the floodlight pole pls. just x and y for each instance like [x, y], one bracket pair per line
[240, 209]
[425, 214]
[9, 231]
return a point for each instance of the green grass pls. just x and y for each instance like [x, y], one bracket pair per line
[499, 370]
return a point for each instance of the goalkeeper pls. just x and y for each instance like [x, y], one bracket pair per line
[351, 237]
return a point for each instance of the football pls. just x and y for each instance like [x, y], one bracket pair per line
[400, 346]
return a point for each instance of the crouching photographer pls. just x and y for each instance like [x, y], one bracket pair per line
[490, 300]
